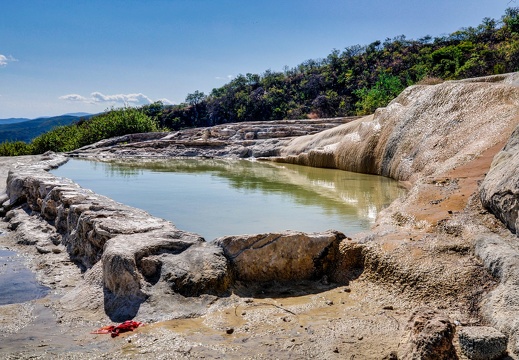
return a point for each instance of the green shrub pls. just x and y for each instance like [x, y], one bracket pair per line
[15, 148]
[115, 122]
[386, 89]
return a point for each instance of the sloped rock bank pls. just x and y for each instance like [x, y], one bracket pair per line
[426, 131]
[441, 140]
[238, 140]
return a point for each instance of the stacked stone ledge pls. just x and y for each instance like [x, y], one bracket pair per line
[95, 228]
[136, 250]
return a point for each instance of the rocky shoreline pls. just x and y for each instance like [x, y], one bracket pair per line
[427, 281]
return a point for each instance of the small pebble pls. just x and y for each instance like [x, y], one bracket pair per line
[329, 302]
[229, 330]
[347, 290]
[336, 350]
[388, 307]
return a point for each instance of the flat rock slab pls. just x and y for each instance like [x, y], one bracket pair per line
[482, 343]
[285, 256]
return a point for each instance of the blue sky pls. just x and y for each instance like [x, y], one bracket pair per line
[60, 56]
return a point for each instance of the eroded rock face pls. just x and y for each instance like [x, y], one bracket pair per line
[426, 130]
[285, 256]
[500, 189]
[430, 337]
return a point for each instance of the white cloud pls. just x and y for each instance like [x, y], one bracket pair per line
[127, 99]
[4, 60]
[74, 97]
[130, 99]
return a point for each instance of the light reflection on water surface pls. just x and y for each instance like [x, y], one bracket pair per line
[225, 197]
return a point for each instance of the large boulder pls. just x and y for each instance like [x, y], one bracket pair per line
[188, 264]
[285, 256]
[430, 337]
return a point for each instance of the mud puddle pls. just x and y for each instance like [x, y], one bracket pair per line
[31, 329]
[17, 283]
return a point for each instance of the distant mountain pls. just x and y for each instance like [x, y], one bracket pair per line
[12, 121]
[26, 129]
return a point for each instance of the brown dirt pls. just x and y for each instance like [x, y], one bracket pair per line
[451, 192]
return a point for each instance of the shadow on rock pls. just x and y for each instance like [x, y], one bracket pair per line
[276, 289]
[121, 308]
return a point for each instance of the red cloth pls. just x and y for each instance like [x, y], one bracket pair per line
[114, 330]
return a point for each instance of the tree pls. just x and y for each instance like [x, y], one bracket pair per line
[197, 102]
[195, 98]
[511, 19]
[386, 89]
[154, 111]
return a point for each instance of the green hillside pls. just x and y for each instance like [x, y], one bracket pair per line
[26, 131]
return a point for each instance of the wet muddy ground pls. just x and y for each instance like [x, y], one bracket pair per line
[18, 284]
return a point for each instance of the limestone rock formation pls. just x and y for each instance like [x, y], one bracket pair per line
[420, 249]
[482, 343]
[426, 130]
[430, 337]
[285, 256]
[238, 140]
[500, 189]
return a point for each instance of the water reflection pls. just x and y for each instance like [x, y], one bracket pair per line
[289, 196]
